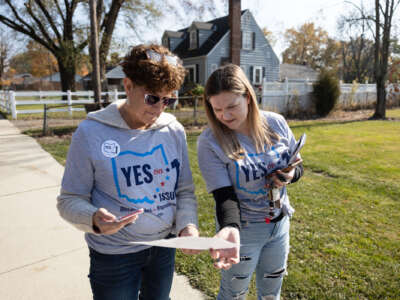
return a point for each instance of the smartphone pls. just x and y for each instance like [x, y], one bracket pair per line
[136, 212]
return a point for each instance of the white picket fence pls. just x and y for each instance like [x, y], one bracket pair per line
[10, 100]
[278, 96]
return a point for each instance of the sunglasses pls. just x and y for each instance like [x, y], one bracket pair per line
[151, 100]
[153, 55]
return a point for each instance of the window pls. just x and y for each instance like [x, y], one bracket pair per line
[193, 39]
[247, 42]
[257, 76]
[213, 67]
[191, 73]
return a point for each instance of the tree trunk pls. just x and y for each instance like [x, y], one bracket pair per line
[67, 76]
[380, 108]
[95, 52]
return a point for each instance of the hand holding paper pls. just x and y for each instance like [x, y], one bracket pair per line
[224, 258]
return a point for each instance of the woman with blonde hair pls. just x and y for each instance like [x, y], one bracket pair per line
[127, 179]
[241, 157]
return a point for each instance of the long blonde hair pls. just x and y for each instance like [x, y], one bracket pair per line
[231, 78]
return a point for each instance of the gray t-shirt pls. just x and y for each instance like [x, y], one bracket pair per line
[248, 174]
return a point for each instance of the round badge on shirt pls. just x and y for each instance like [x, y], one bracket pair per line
[110, 148]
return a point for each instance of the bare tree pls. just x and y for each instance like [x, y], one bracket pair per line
[357, 51]
[51, 25]
[382, 44]
[56, 25]
[380, 23]
[6, 47]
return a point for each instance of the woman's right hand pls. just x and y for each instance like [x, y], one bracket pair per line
[225, 258]
[107, 223]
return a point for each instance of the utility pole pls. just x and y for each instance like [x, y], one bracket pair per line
[235, 35]
[95, 51]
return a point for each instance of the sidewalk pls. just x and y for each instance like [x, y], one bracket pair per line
[42, 256]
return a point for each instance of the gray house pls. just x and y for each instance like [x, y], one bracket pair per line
[204, 46]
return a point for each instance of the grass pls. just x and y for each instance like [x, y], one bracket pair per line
[345, 240]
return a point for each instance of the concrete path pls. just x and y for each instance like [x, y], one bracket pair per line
[42, 256]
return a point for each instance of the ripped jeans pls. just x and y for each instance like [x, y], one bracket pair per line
[264, 249]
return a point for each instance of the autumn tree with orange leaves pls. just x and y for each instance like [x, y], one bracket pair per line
[311, 45]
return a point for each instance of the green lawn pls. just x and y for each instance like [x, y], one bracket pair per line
[345, 233]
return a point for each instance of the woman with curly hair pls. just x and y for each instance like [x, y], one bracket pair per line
[127, 179]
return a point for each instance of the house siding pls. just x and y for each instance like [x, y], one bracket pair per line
[200, 63]
[220, 51]
[262, 55]
[216, 52]
[203, 35]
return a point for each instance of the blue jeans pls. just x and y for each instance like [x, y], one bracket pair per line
[264, 249]
[122, 276]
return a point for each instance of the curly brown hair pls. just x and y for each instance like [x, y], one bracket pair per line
[155, 76]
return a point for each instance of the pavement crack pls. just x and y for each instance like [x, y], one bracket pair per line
[41, 260]
[31, 190]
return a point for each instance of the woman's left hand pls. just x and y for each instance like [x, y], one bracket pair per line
[275, 179]
[190, 230]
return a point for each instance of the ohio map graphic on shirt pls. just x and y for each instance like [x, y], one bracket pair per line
[250, 172]
[145, 177]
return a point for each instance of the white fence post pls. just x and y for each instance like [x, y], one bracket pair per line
[115, 94]
[287, 92]
[13, 105]
[69, 101]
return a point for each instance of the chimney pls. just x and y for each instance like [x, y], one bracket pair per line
[236, 35]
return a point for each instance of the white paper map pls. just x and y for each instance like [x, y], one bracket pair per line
[196, 243]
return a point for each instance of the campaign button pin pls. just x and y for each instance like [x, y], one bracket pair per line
[110, 148]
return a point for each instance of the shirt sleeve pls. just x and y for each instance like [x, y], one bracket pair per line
[213, 169]
[227, 207]
[74, 201]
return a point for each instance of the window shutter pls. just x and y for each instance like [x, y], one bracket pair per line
[251, 73]
[241, 39]
[263, 72]
[254, 40]
[197, 73]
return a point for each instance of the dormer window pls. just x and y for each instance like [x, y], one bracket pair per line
[193, 39]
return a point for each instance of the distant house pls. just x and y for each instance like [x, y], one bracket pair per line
[204, 46]
[55, 77]
[23, 78]
[114, 75]
[297, 73]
